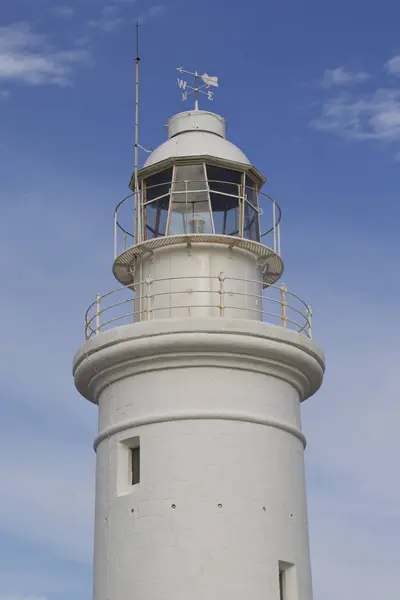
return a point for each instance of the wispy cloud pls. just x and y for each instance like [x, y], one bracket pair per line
[63, 12]
[26, 56]
[373, 116]
[341, 77]
[370, 115]
[154, 12]
[112, 16]
[109, 20]
[392, 66]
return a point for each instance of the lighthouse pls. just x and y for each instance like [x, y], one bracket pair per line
[199, 361]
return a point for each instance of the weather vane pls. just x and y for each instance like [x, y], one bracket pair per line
[202, 83]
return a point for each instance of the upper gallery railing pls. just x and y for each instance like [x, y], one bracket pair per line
[184, 297]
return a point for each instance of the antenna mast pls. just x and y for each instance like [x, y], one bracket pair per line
[136, 178]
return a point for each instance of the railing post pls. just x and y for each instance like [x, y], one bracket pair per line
[221, 278]
[149, 309]
[124, 240]
[98, 298]
[309, 318]
[283, 303]
[186, 209]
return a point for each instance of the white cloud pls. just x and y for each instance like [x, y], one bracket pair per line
[392, 66]
[27, 57]
[373, 116]
[341, 77]
[63, 11]
[109, 20]
[154, 12]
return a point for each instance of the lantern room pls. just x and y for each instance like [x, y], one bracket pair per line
[198, 182]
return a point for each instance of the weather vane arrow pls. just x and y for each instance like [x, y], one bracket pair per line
[202, 83]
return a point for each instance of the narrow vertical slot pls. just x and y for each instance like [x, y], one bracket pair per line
[135, 465]
[282, 595]
[287, 581]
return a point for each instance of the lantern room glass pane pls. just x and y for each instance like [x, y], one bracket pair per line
[251, 221]
[224, 181]
[251, 227]
[224, 187]
[157, 217]
[156, 199]
[251, 192]
[190, 203]
[158, 185]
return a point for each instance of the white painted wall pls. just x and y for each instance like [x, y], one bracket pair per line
[190, 284]
[221, 501]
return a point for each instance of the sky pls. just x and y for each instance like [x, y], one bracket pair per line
[311, 94]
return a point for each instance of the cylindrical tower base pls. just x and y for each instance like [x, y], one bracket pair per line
[200, 488]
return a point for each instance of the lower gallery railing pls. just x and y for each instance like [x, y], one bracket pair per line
[198, 296]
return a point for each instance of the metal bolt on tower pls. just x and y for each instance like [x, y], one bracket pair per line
[198, 363]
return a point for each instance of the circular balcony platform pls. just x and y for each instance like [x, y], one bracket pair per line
[270, 263]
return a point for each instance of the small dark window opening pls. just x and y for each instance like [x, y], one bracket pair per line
[135, 465]
[282, 595]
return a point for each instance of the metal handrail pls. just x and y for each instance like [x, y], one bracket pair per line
[207, 186]
[94, 323]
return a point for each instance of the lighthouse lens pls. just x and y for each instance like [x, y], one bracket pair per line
[190, 205]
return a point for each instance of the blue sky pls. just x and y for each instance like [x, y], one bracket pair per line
[311, 93]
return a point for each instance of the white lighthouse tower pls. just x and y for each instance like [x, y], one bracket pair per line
[198, 363]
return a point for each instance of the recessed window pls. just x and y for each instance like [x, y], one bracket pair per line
[135, 465]
[287, 581]
[129, 467]
[282, 595]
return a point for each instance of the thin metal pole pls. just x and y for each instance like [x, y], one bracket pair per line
[134, 289]
[283, 303]
[186, 209]
[98, 298]
[196, 91]
[136, 178]
[148, 298]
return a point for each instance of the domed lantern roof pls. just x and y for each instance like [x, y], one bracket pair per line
[197, 133]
